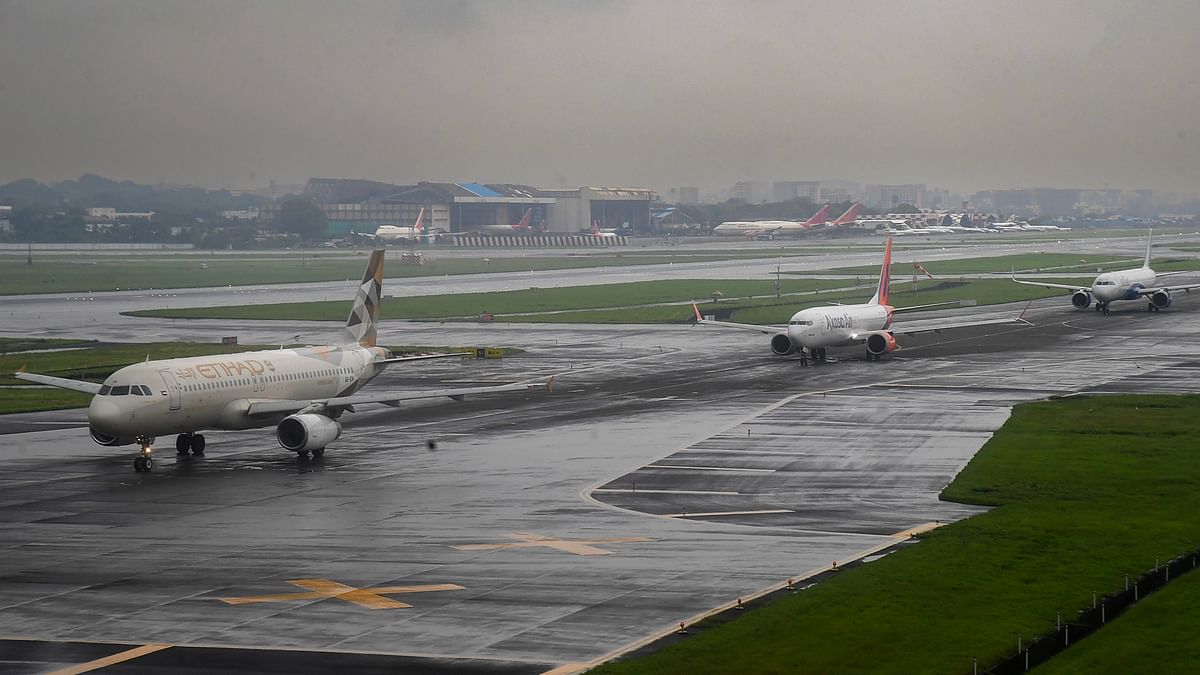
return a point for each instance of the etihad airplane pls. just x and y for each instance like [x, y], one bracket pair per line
[811, 331]
[1132, 284]
[302, 392]
[397, 233]
[750, 228]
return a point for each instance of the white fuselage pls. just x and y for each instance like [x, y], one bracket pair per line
[176, 396]
[818, 327]
[397, 233]
[1122, 284]
[749, 228]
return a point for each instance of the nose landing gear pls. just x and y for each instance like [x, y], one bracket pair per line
[143, 462]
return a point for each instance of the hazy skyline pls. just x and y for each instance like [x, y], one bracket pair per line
[962, 95]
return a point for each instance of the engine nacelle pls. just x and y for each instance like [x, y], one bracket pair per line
[880, 343]
[308, 431]
[1081, 299]
[109, 440]
[1161, 299]
[782, 345]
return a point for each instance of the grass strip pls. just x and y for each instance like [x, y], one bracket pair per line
[1085, 489]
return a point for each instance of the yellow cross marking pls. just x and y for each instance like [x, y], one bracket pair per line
[370, 598]
[576, 546]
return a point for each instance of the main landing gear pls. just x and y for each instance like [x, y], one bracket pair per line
[815, 354]
[1103, 307]
[317, 453]
[143, 462]
[1151, 307]
[189, 441]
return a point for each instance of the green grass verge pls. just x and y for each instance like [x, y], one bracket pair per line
[9, 345]
[107, 273]
[35, 399]
[501, 302]
[1086, 490]
[1155, 636]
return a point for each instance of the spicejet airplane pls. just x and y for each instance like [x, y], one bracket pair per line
[749, 228]
[302, 392]
[1133, 284]
[815, 329]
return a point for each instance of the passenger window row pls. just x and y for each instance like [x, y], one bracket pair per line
[288, 377]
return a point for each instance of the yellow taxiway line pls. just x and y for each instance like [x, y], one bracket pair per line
[119, 657]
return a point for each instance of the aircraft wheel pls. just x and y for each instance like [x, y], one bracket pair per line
[197, 444]
[147, 464]
[142, 464]
[181, 444]
[301, 454]
[318, 452]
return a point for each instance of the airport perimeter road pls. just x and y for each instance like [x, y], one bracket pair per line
[519, 543]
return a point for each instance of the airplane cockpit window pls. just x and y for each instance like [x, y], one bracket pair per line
[104, 390]
[135, 390]
[122, 390]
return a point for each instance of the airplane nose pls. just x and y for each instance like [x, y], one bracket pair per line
[104, 415]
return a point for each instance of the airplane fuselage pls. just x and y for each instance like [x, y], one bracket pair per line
[819, 327]
[175, 396]
[1122, 284]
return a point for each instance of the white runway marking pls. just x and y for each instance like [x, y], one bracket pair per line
[667, 492]
[711, 514]
[706, 468]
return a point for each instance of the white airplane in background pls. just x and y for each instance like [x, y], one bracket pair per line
[1132, 284]
[397, 233]
[301, 391]
[750, 228]
[817, 328]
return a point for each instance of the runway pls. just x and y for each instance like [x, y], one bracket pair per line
[672, 470]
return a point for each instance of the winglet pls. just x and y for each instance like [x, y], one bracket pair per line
[696, 310]
[21, 369]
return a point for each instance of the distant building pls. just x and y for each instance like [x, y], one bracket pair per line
[685, 195]
[783, 190]
[5, 215]
[835, 196]
[361, 206]
[240, 214]
[890, 196]
[752, 191]
[109, 213]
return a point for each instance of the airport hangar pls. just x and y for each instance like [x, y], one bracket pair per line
[354, 205]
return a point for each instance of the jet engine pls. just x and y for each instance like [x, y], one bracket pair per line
[880, 343]
[1081, 299]
[109, 440]
[782, 345]
[1161, 299]
[308, 431]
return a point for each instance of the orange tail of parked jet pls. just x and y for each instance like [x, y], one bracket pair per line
[524, 224]
[848, 217]
[419, 226]
[818, 218]
[885, 277]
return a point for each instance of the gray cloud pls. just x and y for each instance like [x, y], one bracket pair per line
[960, 94]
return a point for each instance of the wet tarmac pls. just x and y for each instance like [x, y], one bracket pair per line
[672, 470]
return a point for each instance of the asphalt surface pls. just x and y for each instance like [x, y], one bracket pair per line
[672, 470]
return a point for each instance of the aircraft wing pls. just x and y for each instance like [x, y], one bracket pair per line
[61, 382]
[1152, 291]
[421, 357]
[268, 406]
[939, 325]
[765, 330]
[917, 308]
[1047, 284]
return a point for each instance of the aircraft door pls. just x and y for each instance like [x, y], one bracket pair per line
[173, 389]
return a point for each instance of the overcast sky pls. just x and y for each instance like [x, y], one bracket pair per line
[964, 95]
